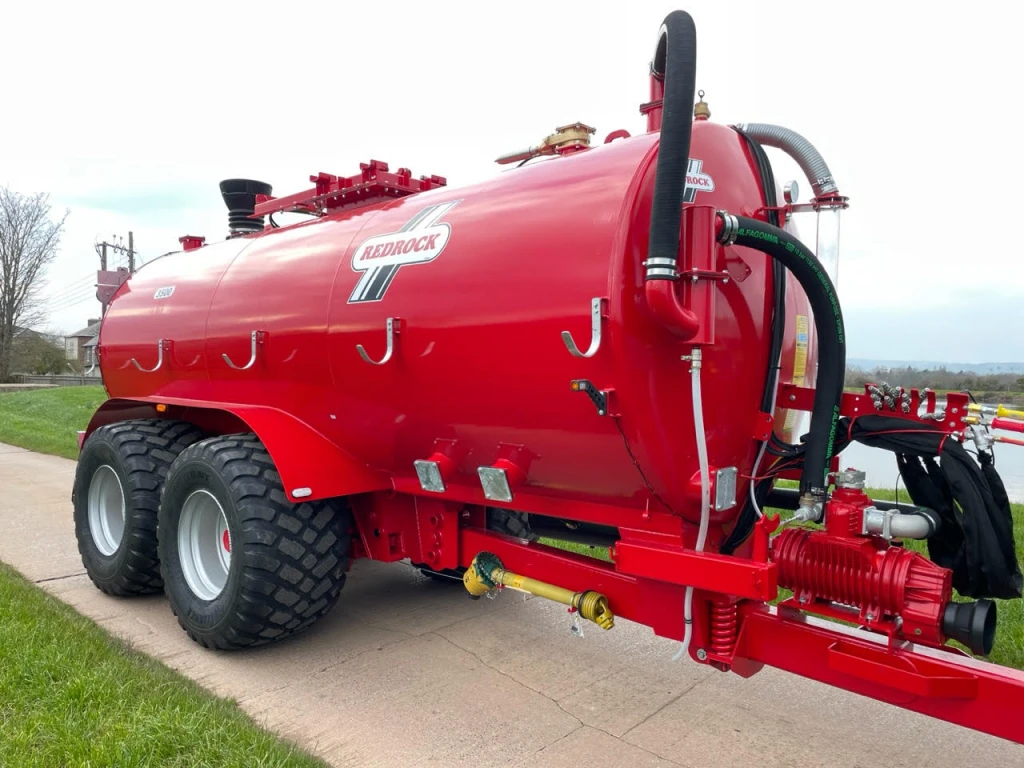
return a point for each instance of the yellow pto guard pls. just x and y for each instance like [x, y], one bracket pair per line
[486, 573]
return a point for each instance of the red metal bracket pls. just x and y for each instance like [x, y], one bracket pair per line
[700, 570]
[332, 193]
[959, 689]
[762, 428]
[950, 417]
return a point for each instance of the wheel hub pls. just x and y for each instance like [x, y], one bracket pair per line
[106, 510]
[204, 545]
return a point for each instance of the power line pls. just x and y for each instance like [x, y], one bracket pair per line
[74, 285]
[57, 296]
[72, 301]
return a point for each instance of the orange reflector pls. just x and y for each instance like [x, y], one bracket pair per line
[161, 408]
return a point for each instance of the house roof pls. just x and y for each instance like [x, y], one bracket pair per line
[92, 330]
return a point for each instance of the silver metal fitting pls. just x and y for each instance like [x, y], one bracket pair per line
[661, 266]
[725, 488]
[810, 510]
[851, 478]
[730, 228]
[982, 439]
[892, 524]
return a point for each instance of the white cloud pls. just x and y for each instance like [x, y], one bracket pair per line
[131, 113]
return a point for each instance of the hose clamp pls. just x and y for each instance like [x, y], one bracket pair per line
[661, 268]
[730, 228]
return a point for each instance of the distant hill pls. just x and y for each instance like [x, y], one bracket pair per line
[931, 365]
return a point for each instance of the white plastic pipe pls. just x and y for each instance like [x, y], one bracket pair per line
[705, 495]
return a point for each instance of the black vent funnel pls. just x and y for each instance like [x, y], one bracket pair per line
[973, 624]
[240, 198]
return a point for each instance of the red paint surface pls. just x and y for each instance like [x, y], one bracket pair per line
[479, 362]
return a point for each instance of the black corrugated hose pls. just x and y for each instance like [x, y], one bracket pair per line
[675, 59]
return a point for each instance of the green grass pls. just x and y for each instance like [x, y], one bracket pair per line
[72, 695]
[47, 420]
[601, 553]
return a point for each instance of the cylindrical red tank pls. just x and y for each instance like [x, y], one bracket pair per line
[479, 357]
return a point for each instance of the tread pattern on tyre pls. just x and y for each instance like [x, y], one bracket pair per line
[295, 557]
[511, 522]
[147, 448]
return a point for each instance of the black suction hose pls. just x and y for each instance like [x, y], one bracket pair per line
[675, 60]
[828, 322]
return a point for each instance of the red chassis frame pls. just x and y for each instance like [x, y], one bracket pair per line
[735, 628]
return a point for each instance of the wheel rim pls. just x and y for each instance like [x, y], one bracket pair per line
[106, 510]
[204, 544]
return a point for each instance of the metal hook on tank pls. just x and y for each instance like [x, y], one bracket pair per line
[255, 339]
[596, 314]
[393, 326]
[159, 359]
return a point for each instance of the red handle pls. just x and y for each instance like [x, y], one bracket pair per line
[1009, 424]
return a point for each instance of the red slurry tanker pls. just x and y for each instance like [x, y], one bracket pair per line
[615, 343]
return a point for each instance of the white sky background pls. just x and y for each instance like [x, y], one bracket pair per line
[130, 114]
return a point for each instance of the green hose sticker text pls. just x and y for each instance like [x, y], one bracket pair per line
[815, 266]
[831, 437]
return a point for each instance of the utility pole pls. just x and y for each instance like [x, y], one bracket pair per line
[103, 267]
[129, 252]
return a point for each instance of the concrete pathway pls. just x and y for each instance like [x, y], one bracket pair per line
[408, 672]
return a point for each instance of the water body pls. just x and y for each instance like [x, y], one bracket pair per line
[882, 473]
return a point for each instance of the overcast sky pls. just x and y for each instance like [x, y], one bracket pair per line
[130, 114]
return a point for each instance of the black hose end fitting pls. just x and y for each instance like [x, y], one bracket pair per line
[973, 624]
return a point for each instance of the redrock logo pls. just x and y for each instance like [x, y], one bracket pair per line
[697, 181]
[421, 240]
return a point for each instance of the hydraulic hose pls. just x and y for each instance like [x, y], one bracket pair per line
[800, 149]
[675, 60]
[828, 323]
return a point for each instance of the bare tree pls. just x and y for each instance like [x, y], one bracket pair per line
[28, 243]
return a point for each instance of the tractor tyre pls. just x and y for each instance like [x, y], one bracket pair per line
[121, 471]
[243, 566]
[510, 522]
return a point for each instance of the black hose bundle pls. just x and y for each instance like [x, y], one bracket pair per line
[828, 322]
[975, 539]
[748, 514]
[975, 535]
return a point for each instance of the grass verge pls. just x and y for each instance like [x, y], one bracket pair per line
[72, 695]
[47, 420]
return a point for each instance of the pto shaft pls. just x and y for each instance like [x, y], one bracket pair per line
[486, 573]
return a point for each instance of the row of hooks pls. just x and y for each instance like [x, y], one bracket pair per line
[393, 326]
